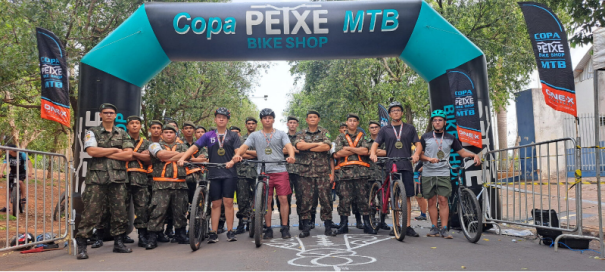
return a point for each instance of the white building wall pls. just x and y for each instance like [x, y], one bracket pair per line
[547, 122]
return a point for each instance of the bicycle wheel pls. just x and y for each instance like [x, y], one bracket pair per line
[470, 215]
[399, 205]
[197, 228]
[60, 208]
[258, 213]
[375, 205]
[15, 201]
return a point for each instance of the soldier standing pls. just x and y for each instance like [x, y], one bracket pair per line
[169, 188]
[155, 129]
[138, 188]
[193, 175]
[246, 178]
[293, 169]
[313, 144]
[352, 152]
[105, 180]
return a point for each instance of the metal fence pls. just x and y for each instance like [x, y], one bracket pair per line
[586, 131]
[530, 181]
[36, 201]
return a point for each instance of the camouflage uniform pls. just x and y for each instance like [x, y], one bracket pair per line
[376, 173]
[193, 175]
[138, 187]
[352, 178]
[314, 174]
[105, 183]
[169, 191]
[245, 185]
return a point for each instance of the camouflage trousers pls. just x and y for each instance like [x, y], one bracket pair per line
[140, 199]
[353, 192]
[307, 186]
[245, 191]
[165, 200]
[98, 199]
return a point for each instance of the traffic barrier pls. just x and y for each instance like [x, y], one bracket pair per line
[530, 182]
[42, 218]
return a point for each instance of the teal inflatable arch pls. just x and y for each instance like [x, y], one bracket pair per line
[158, 33]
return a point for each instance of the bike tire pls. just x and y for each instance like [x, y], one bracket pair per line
[196, 226]
[258, 213]
[471, 217]
[375, 204]
[15, 202]
[59, 208]
[399, 205]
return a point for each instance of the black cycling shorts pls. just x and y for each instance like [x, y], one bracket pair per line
[408, 182]
[222, 188]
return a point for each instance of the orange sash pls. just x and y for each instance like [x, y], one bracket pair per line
[346, 161]
[174, 170]
[141, 167]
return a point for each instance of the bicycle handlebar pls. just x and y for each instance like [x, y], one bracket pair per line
[205, 164]
[392, 159]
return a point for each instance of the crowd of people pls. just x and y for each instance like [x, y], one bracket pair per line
[153, 174]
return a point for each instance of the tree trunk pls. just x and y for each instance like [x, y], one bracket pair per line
[502, 136]
[409, 115]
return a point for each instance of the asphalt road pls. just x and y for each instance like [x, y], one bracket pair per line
[354, 251]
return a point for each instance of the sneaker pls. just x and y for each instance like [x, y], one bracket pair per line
[421, 217]
[212, 237]
[285, 232]
[268, 233]
[231, 236]
[392, 232]
[445, 234]
[411, 232]
[434, 232]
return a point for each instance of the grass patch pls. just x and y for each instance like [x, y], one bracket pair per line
[10, 217]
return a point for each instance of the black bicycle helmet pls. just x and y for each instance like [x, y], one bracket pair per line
[395, 104]
[223, 111]
[266, 112]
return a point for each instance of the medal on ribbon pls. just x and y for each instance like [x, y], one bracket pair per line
[268, 150]
[221, 150]
[398, 144]
[440, 153]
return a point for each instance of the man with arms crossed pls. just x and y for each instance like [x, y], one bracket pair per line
[269, 143]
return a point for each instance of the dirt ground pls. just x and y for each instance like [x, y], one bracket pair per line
[37, 217]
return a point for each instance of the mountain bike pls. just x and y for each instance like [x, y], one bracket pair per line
[466, 204]
[198, 216]
[17, 205]
[261, 195]
[392, 189]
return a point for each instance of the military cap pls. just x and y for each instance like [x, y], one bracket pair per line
[342, 124]
[293, 118]
[353, 115]
[108, 106]
[169, 127]
[374, 122]
[234, 127]
[156, 122]
[188, 123]
[198, 127]
[312, 112]
[250, 118]
[132, 118]
[172, 121]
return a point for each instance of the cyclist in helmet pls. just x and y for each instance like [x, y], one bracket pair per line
[398, 138]
[12, 163]
[436, 184]
[221, 144]
[270, 142]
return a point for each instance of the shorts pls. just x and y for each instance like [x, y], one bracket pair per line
[281, 183]
[408, 182]
[432, 186]
[222, 188]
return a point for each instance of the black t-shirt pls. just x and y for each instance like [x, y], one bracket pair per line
[230, 144]
[408, 137]
[12, 164]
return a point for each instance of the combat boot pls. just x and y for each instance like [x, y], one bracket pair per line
[312, 223]
[358, 223]
[306, 229]
[181, 236]
[118, 245]
[142, 237]
[241, 226]
[329, 231]
[344, 225]
[300, 225]
[161, 237]
[128, 240]
[81, 242]
[99, 242]
[169, 232]
[367, 227]
[152, 241]
[382, 224]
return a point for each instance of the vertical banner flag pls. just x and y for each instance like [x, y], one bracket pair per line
[55, 81]
[383, 115]
[464, 96]
[551, 49]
